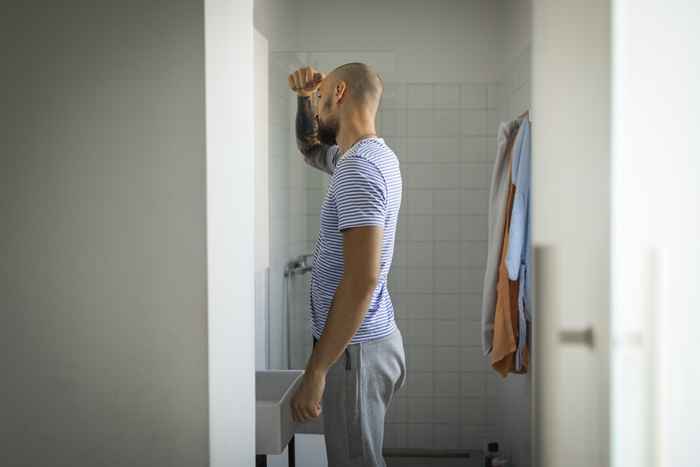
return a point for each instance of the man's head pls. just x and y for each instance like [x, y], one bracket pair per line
[353, 90]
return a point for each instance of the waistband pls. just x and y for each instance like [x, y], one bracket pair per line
[348, 365]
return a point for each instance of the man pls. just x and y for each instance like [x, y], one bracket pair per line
[352, 314]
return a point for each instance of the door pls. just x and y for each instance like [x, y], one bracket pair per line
[655, 227]
[571, 230]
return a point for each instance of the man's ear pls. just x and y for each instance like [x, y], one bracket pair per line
[341, 90]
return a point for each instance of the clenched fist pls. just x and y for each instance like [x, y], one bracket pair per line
[305, 81]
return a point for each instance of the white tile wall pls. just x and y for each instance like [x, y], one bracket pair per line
[419, 96]
[446, 358]
[474, 96]
[447, 306]
[446, 436]
[473, 384]
[446, 384]
[437, 274]
[419, 435]
[447, 95]
[447, 410]
[419, 331]
[419, 358]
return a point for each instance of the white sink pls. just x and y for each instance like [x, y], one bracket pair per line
[274, 426]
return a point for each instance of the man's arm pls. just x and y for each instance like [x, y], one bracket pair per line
[315, 153]
[361, 254]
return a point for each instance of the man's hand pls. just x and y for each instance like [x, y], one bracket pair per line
[306, 402]
[305, 81]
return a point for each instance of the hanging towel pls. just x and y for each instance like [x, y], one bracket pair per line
[500, 184]
[518, 257]
[506, 326]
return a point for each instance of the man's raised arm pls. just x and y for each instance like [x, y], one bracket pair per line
[304, 82]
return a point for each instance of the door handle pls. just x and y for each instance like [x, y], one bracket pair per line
[577, 336]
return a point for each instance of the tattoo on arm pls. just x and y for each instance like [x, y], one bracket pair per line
[307, 136]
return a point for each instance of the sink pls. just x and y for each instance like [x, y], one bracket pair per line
[274, 426]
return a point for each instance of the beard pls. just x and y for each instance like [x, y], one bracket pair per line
[328, 131]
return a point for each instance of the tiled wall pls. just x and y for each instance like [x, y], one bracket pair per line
[444, 136]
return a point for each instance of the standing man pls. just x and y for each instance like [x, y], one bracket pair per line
[352, 314]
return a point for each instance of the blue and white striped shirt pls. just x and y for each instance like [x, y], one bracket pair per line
[364, 189]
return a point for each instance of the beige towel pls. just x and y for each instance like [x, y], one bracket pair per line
[500, 184]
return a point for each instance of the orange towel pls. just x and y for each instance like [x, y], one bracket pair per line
[505, 330]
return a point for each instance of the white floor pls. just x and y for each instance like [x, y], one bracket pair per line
[433, 462]
[311, 452]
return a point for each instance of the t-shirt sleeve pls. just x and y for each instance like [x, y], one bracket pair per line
[360, 194]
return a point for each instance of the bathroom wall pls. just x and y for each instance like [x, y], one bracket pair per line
[510, 405]
[104, 295]
[445, 148]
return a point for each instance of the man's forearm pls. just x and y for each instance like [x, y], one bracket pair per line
[313, 150]
[347, 312]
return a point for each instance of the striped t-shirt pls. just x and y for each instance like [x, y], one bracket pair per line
[364, 189]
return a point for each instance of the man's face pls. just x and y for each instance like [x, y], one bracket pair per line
[327, 113]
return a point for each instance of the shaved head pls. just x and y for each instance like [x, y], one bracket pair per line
[365, 86]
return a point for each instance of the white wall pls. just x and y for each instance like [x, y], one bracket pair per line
[230, 105]
[104, 294]
[441, 41]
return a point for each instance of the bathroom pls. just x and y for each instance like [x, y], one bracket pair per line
[158, 218]
[452, 72]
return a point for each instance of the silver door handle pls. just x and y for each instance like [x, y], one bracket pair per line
[577, 336]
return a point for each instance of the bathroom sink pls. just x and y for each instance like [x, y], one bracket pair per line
[274, 426]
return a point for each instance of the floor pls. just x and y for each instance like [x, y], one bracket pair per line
[311, 452]
[433, 462]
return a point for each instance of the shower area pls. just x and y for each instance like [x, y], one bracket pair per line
[452, 70]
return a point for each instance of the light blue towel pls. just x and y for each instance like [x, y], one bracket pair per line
[518, 256]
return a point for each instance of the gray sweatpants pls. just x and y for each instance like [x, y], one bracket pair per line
[359, 389]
